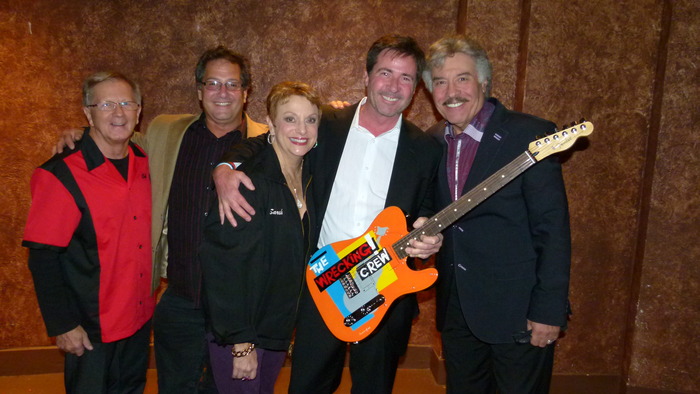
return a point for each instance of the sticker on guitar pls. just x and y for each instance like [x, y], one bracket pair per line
[354, 276]
[354, 282]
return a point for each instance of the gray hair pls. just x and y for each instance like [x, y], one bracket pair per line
[458, 43]
[98, 77]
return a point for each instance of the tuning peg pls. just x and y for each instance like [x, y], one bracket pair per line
[583, 120]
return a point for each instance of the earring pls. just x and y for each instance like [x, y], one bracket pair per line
[270, 138]
[315, 145]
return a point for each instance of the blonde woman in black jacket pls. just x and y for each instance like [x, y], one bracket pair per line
[253, 273]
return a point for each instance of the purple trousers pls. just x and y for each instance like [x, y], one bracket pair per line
[269, 365]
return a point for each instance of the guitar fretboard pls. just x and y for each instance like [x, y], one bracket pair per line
[467, 202]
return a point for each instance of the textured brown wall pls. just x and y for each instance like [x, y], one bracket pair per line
[634, 283]
[664, 347]
[596, 59]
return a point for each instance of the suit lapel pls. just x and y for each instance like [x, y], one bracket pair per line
[489, 148]
[443, 189]
[403, 165]
[173, 140]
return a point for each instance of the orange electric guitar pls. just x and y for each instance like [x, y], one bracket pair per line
[354, 282]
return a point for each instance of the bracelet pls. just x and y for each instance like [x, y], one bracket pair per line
[229, 165]
[243, 353]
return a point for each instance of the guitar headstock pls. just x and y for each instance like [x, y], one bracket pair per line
[559, 141]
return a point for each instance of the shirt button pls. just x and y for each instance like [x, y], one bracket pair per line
[206, 214]
[140, 246]
[134, 217]
[208, 188]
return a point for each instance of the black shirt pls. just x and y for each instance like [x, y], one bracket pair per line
[191, 194]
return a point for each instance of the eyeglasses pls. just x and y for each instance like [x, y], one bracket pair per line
[215, 85]
[111, 105]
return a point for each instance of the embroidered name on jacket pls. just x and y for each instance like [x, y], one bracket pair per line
[276, 212]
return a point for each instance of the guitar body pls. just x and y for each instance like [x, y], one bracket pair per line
[354, 282]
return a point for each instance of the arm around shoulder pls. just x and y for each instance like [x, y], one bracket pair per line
[245, 149]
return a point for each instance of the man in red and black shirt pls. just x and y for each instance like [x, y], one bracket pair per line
[89, 236]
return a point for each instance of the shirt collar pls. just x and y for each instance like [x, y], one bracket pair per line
[475, 128]
[201, 126]
[92, 154]
[356, 121]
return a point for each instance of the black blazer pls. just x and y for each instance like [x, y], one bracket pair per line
[412, 179]
[510, 256]
[253, 273]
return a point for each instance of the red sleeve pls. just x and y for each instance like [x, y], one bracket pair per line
[53, 216]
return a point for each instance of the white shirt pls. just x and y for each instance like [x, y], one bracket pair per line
[361, 183]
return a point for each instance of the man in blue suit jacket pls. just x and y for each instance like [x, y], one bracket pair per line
[502, 295]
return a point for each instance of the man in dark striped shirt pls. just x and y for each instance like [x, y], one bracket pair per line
[182, 194]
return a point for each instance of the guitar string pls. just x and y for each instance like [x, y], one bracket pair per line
[447, 216]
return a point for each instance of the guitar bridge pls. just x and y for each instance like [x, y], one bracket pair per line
[349, 285]
[364, 310]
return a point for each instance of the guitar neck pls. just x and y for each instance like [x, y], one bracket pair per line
[467, 202]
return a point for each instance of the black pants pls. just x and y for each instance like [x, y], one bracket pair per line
[318, 357]
[182, 355]
[477, 367]
[114, 367]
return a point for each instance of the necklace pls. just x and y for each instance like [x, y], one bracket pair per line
[299, 204]
[294, 179]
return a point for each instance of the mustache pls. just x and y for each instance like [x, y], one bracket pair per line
[455, 100]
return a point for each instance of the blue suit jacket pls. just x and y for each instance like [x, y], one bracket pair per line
[510, 256]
